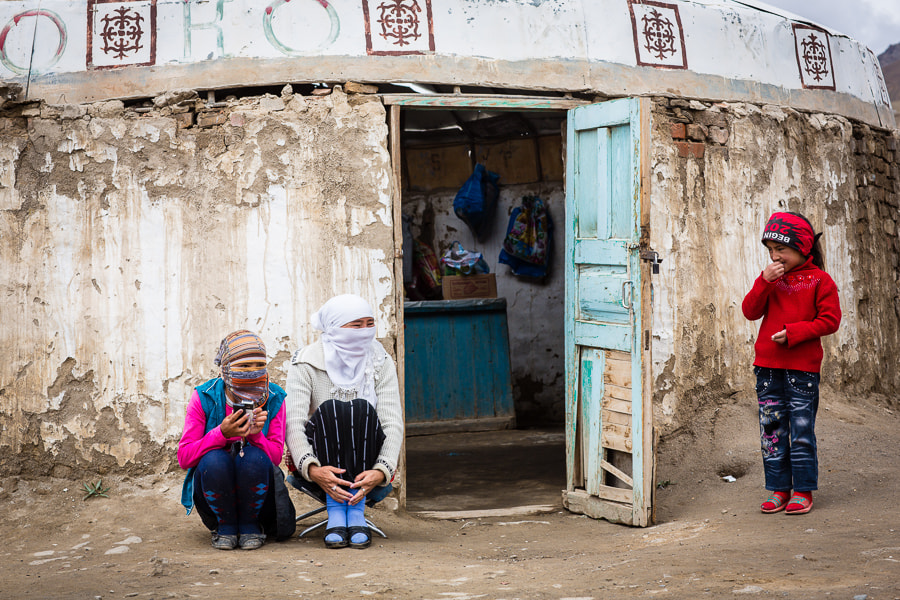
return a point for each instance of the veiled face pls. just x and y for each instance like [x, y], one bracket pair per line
[359, 323]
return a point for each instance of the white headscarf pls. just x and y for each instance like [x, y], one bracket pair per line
[350, 354]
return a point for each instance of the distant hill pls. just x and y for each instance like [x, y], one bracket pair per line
[890, 66]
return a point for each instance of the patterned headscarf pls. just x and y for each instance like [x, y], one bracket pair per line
[248, 384]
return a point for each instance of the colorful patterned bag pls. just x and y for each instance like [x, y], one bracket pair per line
[528, 236]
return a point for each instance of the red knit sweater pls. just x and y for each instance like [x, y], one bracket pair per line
[805, 302]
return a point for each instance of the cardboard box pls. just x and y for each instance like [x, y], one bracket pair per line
[457, 287]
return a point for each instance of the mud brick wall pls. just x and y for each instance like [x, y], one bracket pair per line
[133, 238]
[717, 171]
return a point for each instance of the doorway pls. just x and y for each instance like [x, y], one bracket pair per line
[603, 273]
[455, 467]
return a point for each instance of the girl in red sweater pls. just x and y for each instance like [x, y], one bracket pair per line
[798, 303]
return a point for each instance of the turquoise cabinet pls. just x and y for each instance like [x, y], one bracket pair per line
[457, 366]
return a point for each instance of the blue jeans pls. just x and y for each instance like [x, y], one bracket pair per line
[233, 488]
[788, 402]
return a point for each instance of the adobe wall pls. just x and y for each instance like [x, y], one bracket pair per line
[134, 240]
[717, 172]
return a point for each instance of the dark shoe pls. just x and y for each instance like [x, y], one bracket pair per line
[224, 542]
[341, 543]
[251, 541]
[354, 530]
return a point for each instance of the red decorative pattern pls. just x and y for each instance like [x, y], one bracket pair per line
[815, 57]
[121, 33]
[813, 51]
[658, 34]
[399, 21]
[396, 27]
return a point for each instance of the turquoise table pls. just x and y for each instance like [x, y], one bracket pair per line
[457, 366]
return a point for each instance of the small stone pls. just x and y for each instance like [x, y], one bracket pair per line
[696, 132]
[718, 135]
[133, 539]
[860, 597]
[287, 90]
[184, 120]
[107, 110]
[750, 589]
[208, 119]
[351, 87]
[174, 97]
[271, 104]
[321, 91]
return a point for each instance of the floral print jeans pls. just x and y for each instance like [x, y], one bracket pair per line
[788, 402]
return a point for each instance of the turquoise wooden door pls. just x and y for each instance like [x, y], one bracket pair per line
[609, 454]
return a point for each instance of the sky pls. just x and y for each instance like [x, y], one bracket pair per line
[875, 23]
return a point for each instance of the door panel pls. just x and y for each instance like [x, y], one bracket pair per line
[609, 450]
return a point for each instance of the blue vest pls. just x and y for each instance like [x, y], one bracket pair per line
[212, 398]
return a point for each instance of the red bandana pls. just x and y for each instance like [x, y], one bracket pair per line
[791, 230]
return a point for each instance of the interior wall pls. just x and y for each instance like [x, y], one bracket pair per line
[534, 307]
[132, 241]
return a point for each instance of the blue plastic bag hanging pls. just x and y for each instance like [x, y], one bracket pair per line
[476, 201]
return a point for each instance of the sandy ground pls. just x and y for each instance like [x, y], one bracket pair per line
[710, 539]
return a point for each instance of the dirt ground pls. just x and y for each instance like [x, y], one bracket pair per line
[710, 539]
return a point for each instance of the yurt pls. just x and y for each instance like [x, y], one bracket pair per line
[173, 170]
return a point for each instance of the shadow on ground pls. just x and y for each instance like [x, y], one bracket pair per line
[491, 470]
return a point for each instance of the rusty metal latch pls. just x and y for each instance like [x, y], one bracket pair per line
[653, 258]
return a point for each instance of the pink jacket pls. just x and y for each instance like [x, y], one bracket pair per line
[194, 444]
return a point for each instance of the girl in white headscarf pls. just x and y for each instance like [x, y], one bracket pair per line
[344, 417]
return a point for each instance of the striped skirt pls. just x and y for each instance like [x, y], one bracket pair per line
[346, 435]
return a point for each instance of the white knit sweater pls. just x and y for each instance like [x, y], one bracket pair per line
[308, 386]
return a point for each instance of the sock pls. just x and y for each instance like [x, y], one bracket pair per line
[807, 495]
[783, 495]
[337, 517]
[356, 517]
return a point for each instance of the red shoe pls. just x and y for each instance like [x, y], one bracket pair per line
[776, 502]
[800, 504]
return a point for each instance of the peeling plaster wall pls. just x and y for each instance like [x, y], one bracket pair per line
[132, 243]
[717, 172]
[535, 308]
